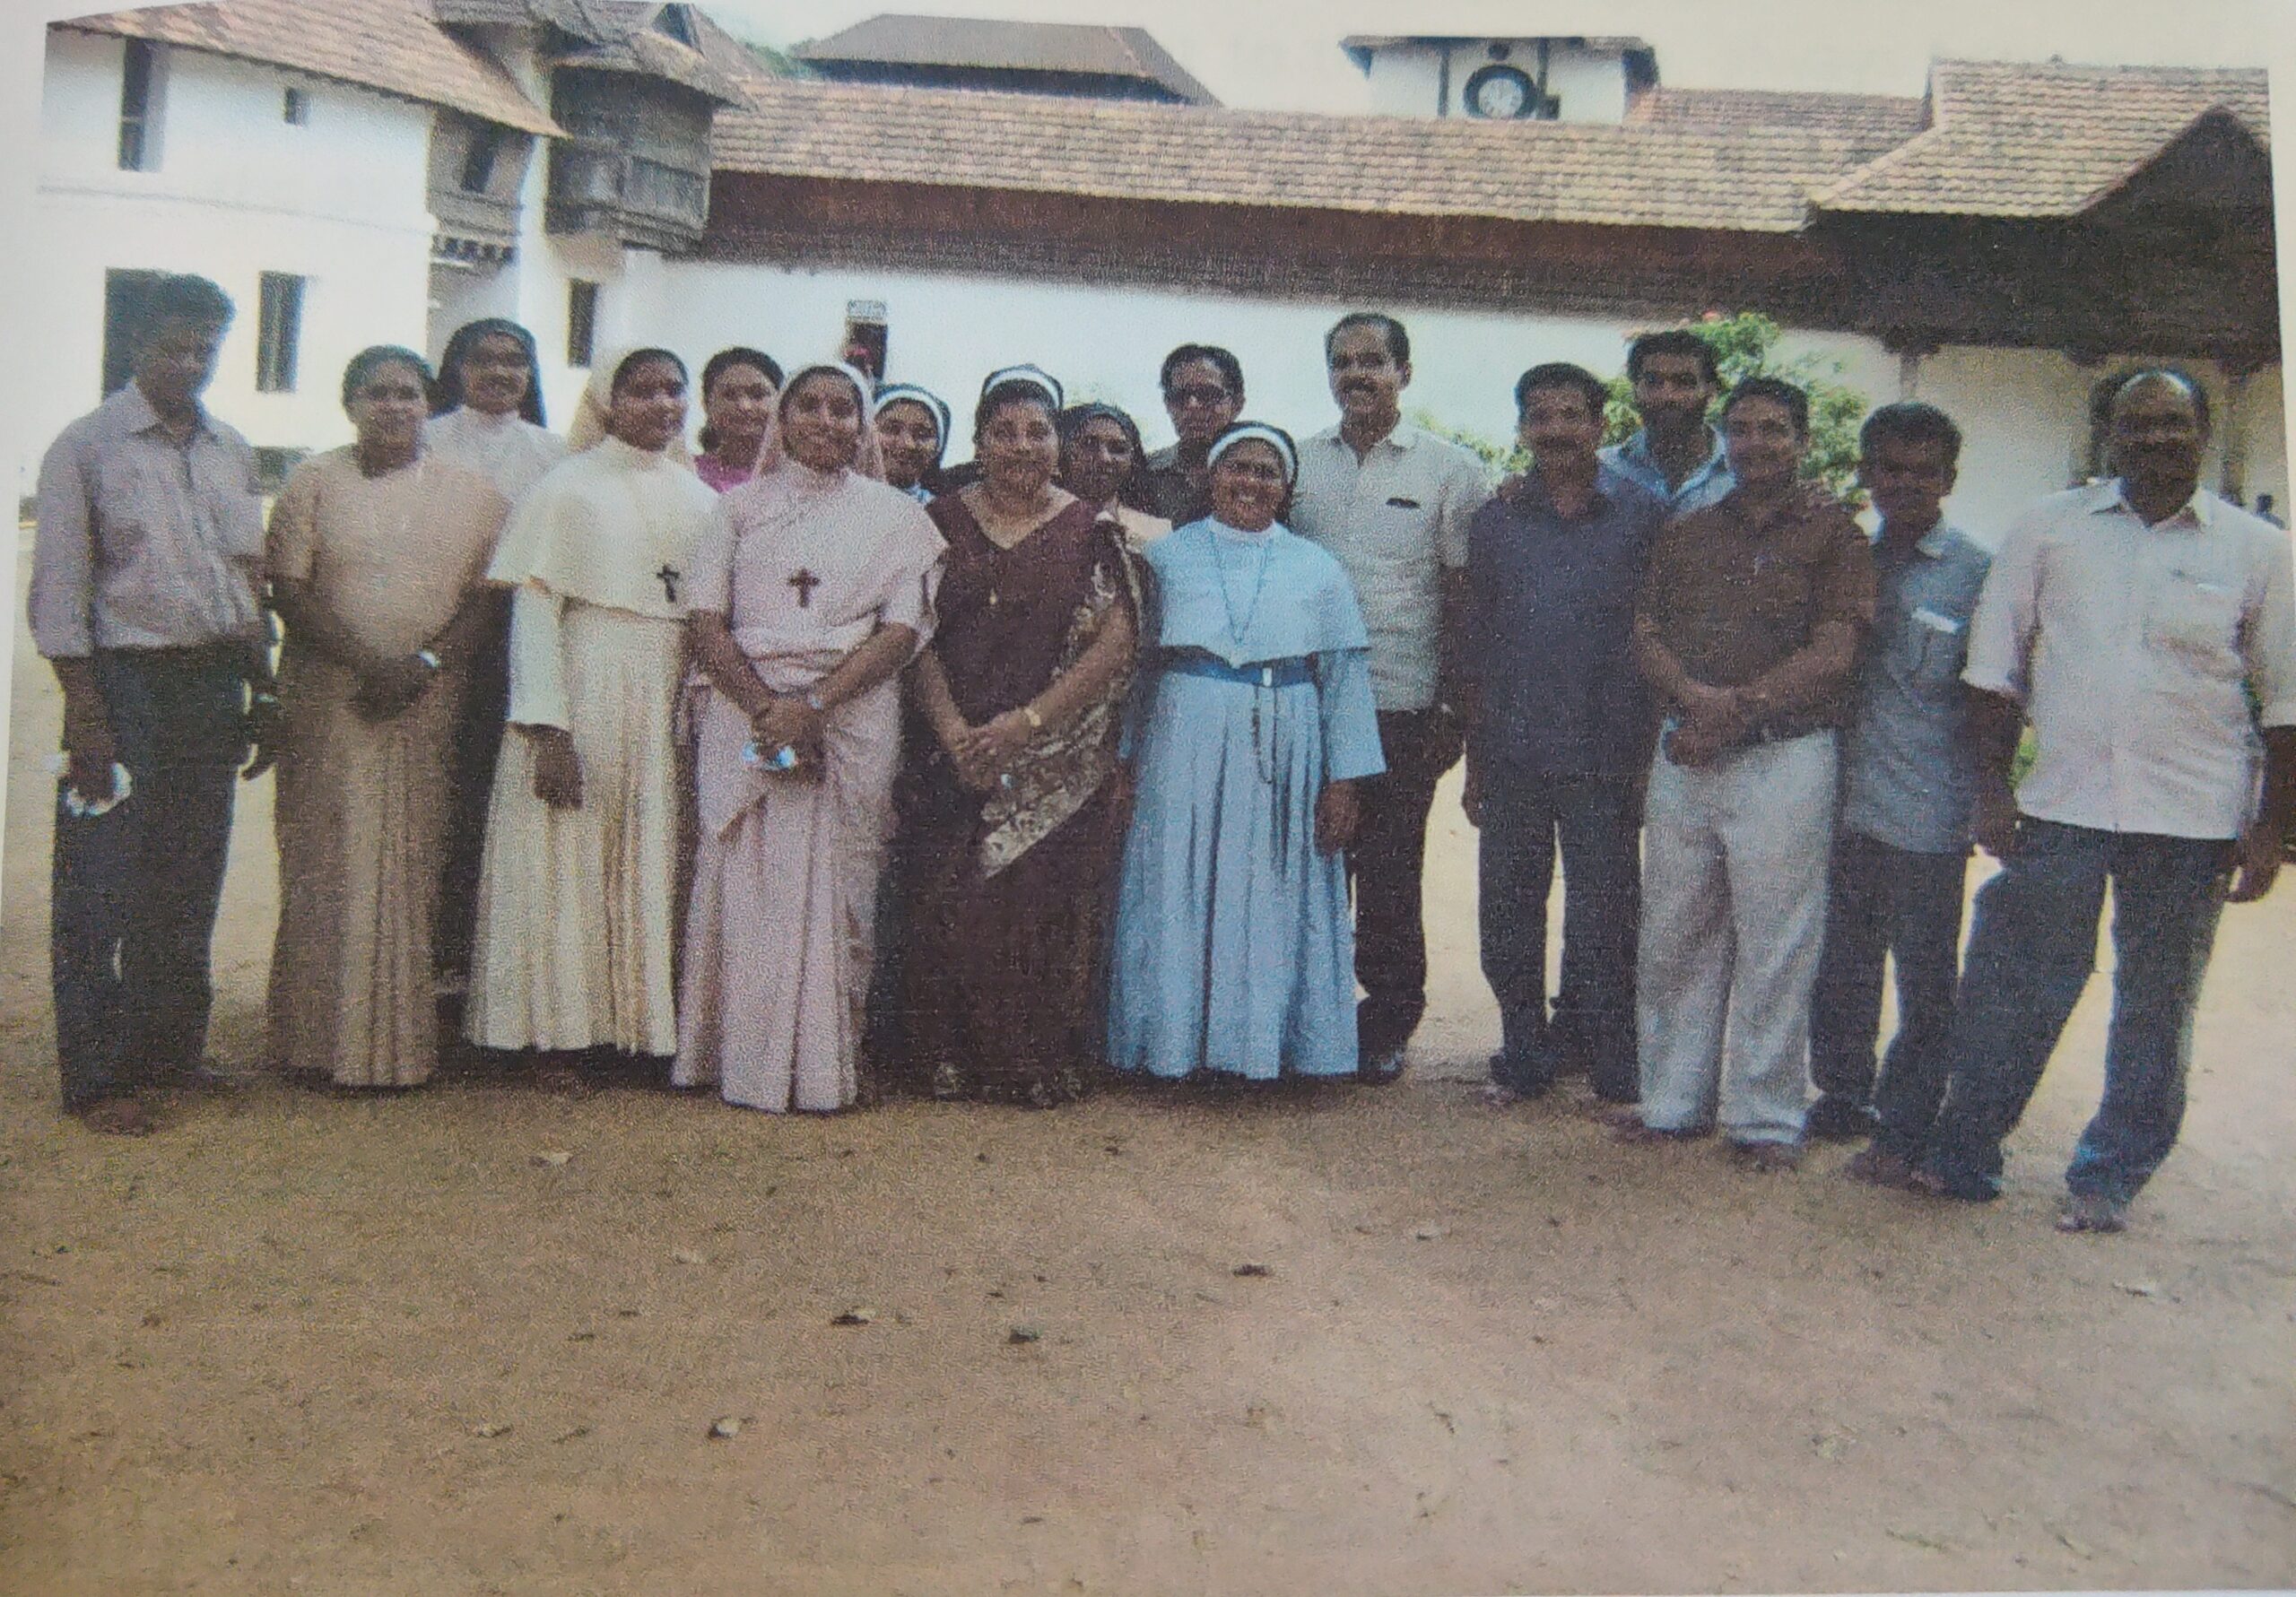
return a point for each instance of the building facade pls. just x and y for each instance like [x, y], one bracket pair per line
[602, 173]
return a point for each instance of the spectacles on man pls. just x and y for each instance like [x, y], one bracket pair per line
[1205, 394]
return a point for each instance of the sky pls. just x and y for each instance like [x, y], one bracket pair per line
[1286, 54]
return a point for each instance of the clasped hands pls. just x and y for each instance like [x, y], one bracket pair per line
[1708, 722]
[983, 754]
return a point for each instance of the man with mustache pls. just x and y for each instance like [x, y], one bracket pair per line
[1203, 394]
[1747, 629]
[2145, 630]
[1557, 728]
[1676, 455]
[1392, 503]
[147, 600]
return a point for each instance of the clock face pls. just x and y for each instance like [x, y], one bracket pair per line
[1499, 92]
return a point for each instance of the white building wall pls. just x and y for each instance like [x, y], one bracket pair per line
[339, 200]
[1587, 85]
[2024, 412]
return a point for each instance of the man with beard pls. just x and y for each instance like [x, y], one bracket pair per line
[1392, 502]
[1675, 456]
[1557, 729]
[1203, 394]
[2146, 630]
[147, 600]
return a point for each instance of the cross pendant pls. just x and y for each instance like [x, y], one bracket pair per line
[669, 577]
[804, 582]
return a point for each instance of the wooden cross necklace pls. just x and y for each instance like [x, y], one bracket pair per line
[804, 582]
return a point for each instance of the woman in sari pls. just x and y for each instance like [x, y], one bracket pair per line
[377, 557]
[486, 414]
[813, 590]
[1233, 953]
[1010, 819]
[576, 905]
[1100, 462]
[738, 388]
[912, 433]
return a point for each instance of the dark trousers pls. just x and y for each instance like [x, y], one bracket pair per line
[2031, 948]
[470, 786]
[1598, 822]
[1893, 903]
[1384, 868]
[134, 892]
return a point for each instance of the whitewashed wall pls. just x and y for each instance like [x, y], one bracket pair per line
[237, 192]
[2024, 413]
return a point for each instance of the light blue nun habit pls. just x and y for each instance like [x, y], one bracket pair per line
[1233, 949]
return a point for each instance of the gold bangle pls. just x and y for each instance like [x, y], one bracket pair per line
[1035, 721]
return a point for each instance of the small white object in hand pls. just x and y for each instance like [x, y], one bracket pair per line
[80, 807]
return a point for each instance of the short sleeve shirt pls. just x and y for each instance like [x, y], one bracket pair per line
[1703, 487]
[1734, 597]
[1397, 520]
[2137, 651]
[1549, 631]
[1907, 776]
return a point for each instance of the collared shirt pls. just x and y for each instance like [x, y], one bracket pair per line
[143, 542]
[1396, 519]
[2134, 649]
[1550, 630]
[1170, 492]
[1734, 597]
[1704, 486]
[1908, 779]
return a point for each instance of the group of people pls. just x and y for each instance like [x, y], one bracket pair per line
[810, 764]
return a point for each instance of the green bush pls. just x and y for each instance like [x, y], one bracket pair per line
[1744, 346]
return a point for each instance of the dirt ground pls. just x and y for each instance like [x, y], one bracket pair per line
[306, 1344]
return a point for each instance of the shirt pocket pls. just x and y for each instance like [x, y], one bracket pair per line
[1937, 647]
[2194, 618]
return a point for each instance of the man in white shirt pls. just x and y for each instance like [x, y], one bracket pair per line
[2146, 630]
[1392, 503]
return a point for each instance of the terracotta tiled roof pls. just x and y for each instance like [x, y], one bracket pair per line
[635, 45]
[394, 45]
[1757, 180]
[899, 40]
[1875, 122]
[2023, 140]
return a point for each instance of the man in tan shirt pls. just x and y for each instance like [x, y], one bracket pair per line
[1747, 629]
[147, 600]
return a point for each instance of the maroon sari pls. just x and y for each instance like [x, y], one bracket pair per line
[1011, 890]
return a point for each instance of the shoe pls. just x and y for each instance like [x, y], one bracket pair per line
[2092, 1213]
[1834, 1118]
[1767, 1158]
[1629, 1127]
[1379, 1070]
[1930, 1184]
[1517, 1081]
[1875, 1167]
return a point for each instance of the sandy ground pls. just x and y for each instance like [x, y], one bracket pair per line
[306, 1344]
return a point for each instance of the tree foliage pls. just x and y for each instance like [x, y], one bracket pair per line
[1744, 345]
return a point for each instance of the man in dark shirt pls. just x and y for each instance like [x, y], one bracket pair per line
[1203, 394]
[1747, 629]
[1557, 731]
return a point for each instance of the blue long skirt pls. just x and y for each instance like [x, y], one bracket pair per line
[1233, 949]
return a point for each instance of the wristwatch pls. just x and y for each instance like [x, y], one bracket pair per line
[428, 658]
[814, 703]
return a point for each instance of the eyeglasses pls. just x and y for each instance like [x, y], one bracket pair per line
[1202, 394]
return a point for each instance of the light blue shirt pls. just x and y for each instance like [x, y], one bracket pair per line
[1705, 486]
[1909, 779]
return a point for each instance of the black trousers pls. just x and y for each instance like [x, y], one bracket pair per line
[1384, 869]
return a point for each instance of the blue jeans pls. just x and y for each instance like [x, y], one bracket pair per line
[134, 892]
[2031, 952]
[1884, 901]
[1598, 822]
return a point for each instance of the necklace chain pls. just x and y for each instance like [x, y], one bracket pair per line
[1236, 633]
